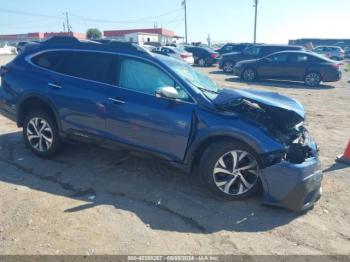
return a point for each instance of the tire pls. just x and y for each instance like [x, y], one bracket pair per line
[312, 79]
[202, 62]
[227, 67]
[215, 164]
[249, 75]
[46, 143]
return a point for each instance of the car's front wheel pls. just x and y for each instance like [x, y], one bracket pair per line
[230, 170]
[41, 134]
[249, 75]
[227, 67]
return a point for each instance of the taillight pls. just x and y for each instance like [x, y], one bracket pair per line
[3, 71]
[184, 56]
[335, 66]
[214, 56]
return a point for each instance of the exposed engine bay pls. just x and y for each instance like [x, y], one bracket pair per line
[282, 123]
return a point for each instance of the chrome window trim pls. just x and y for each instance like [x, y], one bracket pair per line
[29, 58]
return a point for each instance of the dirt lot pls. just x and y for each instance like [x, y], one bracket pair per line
[95, 201]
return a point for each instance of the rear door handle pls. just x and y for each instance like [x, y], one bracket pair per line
[116, 101]
[55, 85]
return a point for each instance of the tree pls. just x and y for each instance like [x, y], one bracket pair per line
[93, 33]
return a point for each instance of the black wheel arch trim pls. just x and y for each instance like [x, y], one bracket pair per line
[45, 99]
[198, 142]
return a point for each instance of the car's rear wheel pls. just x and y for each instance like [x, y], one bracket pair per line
[202, 62]
[249, 75]
[227, 67]
[230, 170]
[41, 134]
[312, 79]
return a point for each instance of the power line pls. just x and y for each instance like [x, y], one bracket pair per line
[126, 21]
[28, 14]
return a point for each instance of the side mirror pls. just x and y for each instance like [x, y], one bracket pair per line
[167, 92]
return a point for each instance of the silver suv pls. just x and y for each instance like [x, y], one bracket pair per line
[332, 52]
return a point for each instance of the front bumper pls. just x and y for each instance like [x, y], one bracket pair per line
[293, 186]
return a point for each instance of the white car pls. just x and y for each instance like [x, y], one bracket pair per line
[175, 52]
[7, 50]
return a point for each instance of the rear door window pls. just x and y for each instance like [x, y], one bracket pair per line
[253, 51]
[88, 65]
[300, 58]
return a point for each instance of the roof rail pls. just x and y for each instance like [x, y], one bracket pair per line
[61, 40]
[126, 46]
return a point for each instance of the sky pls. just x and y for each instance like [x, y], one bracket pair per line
[224, 20]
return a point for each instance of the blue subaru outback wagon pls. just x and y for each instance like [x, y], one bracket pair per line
[117, 93]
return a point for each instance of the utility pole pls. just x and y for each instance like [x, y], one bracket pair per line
[184, 4]
[67, 22]
[256, 18]
[64, 28]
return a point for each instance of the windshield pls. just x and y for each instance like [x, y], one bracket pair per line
[195, 78]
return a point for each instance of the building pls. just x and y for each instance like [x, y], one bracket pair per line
[37, 36]
[142, 36]
[319, 41]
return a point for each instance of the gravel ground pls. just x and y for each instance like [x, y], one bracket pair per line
[96, 201]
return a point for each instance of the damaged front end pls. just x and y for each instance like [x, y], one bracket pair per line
[291, 177]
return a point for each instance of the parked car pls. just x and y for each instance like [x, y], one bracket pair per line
[228, 61]
[229, 48]
[347, 51]
[118, 94]
[290, 65]
[175, 52]
[203, 56]
[332, 52]
[7, 50]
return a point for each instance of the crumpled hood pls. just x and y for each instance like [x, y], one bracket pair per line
[281, 108]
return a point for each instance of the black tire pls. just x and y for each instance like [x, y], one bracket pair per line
[56, 143]
[312, 79]
[202, 62]
[208, 165]
[249, 75]
[227, 67]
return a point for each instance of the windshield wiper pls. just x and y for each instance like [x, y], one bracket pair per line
[203, 89]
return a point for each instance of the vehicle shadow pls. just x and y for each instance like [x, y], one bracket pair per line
[161, 196]
[279, 84]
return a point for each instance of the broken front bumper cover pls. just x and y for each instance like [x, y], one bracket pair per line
[293, 186]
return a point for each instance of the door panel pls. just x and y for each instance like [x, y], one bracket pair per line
[149, 122]
[137, 117]
[80, 104]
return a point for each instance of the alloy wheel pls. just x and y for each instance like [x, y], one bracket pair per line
[249, 75]
[312, 79]
[228, 67]
[39, 134]
[236, 172]
[201, 62]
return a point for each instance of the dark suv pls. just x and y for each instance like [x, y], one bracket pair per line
[229, 48]
[119, 94]
[228, 61]
[203, 56]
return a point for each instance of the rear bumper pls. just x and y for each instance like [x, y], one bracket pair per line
[332, 77]
[293, 186]
[6, 110]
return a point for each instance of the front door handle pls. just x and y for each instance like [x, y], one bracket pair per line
[55, 85]
[116, 101]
